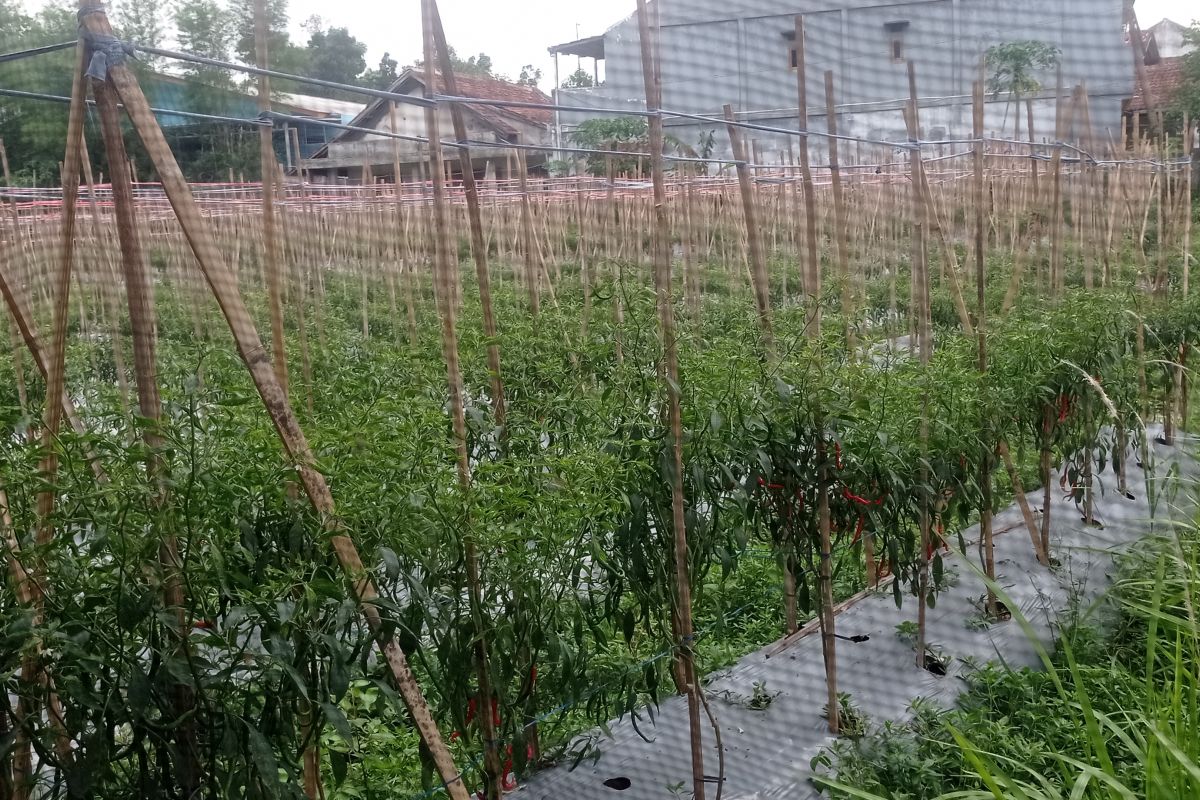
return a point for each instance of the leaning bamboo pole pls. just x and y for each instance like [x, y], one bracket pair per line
[478, 245]
[250, 347]
[445, 275]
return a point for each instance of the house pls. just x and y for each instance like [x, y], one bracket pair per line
[743, 52]
[175, 93]
[492, 129]
[1163, 76]
[1169, 36]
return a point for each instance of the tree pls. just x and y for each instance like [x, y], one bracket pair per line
[1186, 99]
[579, 79]
[480, 65]
[383, 76]
[1013, 67]
[282, 54]
[616, 133]
[335, 55]
[529, 76]
[141, 21]
[203, 29]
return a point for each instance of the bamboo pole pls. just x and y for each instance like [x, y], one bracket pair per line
[758, 262]
[270, 251]
[682, 617]
[812, 262]
[985, 465]
[839, 215]
[921, 301]
[253, 354]
[478, 245]
[140, 296]
[528, 247]
[446, 272]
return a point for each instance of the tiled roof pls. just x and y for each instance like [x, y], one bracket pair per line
[1164, 79]
[496, 89]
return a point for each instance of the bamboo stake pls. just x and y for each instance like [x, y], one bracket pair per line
[921, 301]
[529, 250]
[1023, 502]
[758, 263]
[140, 294]
[478, 245]
[445, 273]
[32, 670]
[985, 466]
[251, 349]
[267, 157]
[812, 263]
[682, 616]
[839, 215]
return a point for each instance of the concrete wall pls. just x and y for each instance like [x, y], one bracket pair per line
[734, 51]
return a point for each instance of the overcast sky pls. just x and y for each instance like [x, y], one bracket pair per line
[518, 32]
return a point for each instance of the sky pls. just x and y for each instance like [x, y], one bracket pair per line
[513, 32]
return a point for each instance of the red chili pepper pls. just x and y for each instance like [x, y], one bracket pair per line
[1064, 407]
[495, 712]
[470, 710]
[849, 495]
[858, 530]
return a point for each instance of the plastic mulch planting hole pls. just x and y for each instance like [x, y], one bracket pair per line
[1003, 614]
[620, 784]
[935, 665]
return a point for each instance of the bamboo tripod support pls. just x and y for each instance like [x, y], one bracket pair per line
[223, 285]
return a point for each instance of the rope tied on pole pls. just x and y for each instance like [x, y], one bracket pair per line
[107, 50]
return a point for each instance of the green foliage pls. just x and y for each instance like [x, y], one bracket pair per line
[479, 65]
[1186, 99]
[530, 75]
[570, 510]
[33, 130]
[1014, 66]
[579, 79]
[383, 76]
[616, 133]
[335, 55]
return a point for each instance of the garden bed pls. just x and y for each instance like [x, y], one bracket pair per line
[772, 727]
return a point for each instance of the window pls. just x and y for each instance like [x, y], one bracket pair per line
[895, 31]
[794, 58]
[314, 134]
